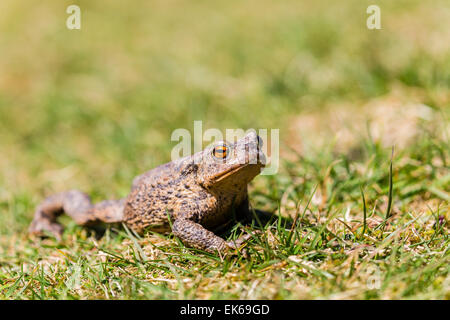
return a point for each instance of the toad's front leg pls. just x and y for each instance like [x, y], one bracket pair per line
[195, 235]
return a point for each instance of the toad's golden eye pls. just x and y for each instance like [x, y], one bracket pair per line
[220, 152]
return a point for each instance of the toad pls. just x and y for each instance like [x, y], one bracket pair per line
[190, 197]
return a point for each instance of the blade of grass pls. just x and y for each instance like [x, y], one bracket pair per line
[364, 212]
[390, 194]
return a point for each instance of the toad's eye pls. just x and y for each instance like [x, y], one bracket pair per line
[220, 152]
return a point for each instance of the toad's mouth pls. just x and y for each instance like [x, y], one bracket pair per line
[229, 172]
[234, 171]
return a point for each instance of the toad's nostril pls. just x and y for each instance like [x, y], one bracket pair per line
[260, 141]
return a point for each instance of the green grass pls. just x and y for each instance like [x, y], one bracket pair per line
[91, 109]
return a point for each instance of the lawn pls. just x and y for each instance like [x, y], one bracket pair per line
[361, 198]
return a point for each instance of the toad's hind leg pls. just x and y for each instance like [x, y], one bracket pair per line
[79, 207]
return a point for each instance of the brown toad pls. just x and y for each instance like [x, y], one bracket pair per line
[198, 193]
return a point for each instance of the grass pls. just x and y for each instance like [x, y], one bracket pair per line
[91, 109]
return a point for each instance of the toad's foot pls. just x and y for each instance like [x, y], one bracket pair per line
[239, 243]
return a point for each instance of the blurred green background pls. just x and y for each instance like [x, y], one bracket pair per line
[92, 108]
